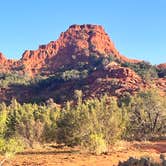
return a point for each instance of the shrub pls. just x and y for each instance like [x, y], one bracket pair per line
[93, 123]
[162, 73]
[9, 147]
[70, 75]
[142, 162]
[7, 79]
[147, 115]
[96, 144]
[3, 118]
[144, 69]
[32, 122]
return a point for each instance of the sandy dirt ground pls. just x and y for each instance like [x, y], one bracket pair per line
[52, 155]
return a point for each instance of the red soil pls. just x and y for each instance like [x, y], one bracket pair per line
[53, 156]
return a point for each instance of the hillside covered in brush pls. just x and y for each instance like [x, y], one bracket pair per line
[82, 58]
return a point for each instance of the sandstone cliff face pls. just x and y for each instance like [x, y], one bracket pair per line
[74, 45]
[5, 64]
[162, 66]
[2, 58]
[115, 81]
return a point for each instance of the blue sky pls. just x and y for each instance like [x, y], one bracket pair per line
[137, 27]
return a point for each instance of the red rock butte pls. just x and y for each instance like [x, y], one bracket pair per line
[73, 45]
[77, 44]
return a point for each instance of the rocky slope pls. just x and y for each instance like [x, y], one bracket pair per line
[74, 45]
[5, 64]
[83, 57]
[162, 66]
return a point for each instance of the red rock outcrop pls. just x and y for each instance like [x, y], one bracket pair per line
[2, 58]
[5, 64]
[74, 45]
[115, 81]
[161, 84]
[162, 66]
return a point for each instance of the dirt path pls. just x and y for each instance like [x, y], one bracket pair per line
[53, 156]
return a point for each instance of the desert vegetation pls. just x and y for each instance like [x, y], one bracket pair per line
[79, 91]
[143, 161]
[6, 79]
[144, 69]
[94, 124]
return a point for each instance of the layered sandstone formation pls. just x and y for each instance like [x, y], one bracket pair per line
[74, 45]
[162, 66]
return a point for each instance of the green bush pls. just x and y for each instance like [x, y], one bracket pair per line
[9, 147]
[93, 123]
[162, 73]
[95, 144]
[144, 161]
[7, 79]
[147, 115]
[32, 122]
[144, 69]
[3, 118]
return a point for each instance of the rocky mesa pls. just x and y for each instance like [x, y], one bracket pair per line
[83, 57]
[74, 45]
